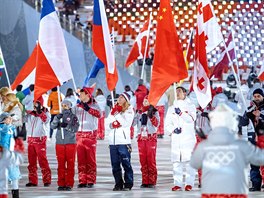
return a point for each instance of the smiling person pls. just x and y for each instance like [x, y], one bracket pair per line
[120, 120]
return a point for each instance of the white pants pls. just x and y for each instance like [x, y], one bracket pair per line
[178, 170]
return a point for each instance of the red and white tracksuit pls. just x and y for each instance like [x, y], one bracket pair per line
[38, 127]
[147, 146]
[86, 142]
[161, 108]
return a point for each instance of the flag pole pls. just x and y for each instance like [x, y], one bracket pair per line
[233, 39]
[59, 103]
[113, 99]
[235, 75]
[146, 48]
[174, 91]
[188, 47]
[7, 77]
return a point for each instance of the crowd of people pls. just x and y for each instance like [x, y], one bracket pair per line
[211, 140]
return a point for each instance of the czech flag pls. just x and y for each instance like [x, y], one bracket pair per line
[101, 44]
[52, 63]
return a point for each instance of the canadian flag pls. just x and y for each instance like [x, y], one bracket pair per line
[261, 73]
[208, 36]
[138, 49]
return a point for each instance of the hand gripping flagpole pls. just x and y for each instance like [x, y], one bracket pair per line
[146, 48]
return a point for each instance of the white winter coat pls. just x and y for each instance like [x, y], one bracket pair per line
[101, 101]
[121, 135]
[181, 144]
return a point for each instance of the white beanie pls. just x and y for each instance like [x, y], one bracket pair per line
[223, 116]
[67, 102]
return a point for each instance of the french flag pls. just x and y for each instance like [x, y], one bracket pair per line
[27, 74]
[101, 44]
[52, 62]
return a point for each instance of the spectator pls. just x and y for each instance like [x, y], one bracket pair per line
[71, 97]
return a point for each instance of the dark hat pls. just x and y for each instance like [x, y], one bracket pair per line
[5, 115]
[126, 96]
[258, 91]
[140, 82]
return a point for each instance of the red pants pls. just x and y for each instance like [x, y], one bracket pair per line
[66, 160]
[101, 127]
[161, 110]
[147, 156]
[86, 155]
[260, 144]
[224, 196]
[3, 196]
[37, 152]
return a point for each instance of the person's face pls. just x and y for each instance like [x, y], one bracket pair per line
[145, 102]
[65, 107]
[8, 120]
[257, 98]
[180, 94]
[84, 97]
[121, 100]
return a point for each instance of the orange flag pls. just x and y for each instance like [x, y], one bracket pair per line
[169, 65]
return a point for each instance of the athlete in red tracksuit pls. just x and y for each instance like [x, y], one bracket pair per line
[147, 144]
[38, 127]
[67, 125]
[88, 113]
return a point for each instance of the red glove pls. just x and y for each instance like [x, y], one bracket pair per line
[116, 124]
[43, 117]
[116, 109]
[19, 146]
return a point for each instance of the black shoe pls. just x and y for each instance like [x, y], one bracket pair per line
[61, 188]
[90, 185]
[127, 189]
[46, 184]
[116, 188]
[151, 186]
[15, 193]
[144, 186]
[253, 189]
[82, 186]
[31, 185]
[199, 186]
[262, 186]
[68, 188]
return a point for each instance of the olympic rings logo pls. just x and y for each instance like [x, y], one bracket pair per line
[220, 157]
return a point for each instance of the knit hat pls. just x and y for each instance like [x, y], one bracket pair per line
[67, 102]
[40, 100]
[258, 91]
[126, 96]
[5, 115]
[223, 116]
[140, 82]
[88, 90]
